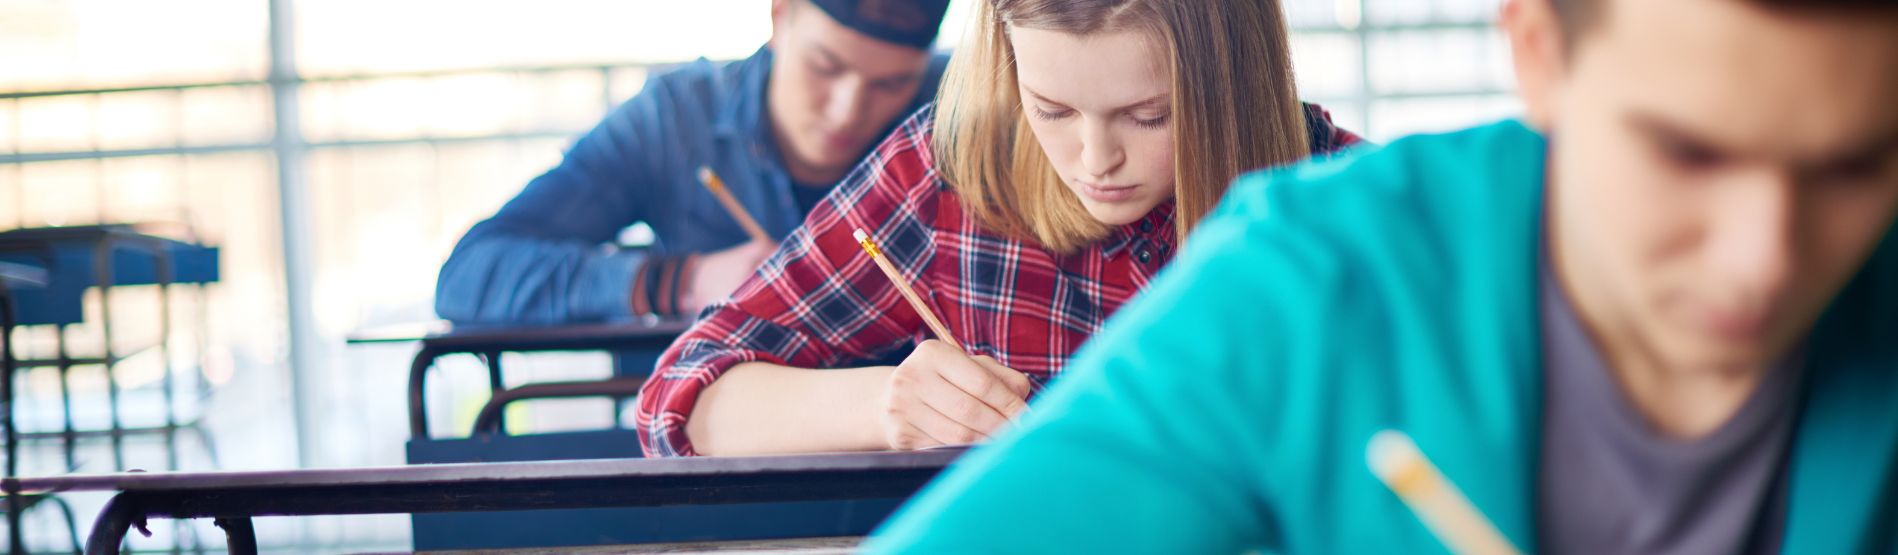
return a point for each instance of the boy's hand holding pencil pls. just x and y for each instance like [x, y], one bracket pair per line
[713, 276]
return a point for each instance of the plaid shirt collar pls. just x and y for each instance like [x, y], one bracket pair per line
[1156, 226]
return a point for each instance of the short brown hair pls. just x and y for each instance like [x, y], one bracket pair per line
[1577, 16]
[1233, 98]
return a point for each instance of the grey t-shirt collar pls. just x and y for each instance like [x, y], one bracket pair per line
[1609, 483]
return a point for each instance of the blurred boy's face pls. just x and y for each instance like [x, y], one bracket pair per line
[833, 90]
[1718, 170]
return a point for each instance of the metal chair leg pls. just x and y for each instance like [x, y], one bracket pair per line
[238, 535]
[16, 533]
[115, 521]
[496, 383]
[418, 399]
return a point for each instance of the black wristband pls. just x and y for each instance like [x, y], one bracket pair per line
[656, 298]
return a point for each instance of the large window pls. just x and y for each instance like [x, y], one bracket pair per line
[1393, 67]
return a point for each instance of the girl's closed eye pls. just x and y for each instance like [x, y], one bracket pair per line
[1049, 115]
[1154, 122]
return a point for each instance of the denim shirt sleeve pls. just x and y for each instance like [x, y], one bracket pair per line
[546, 256]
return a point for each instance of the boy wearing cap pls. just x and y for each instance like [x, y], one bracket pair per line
[1658, 316]
[779, 128]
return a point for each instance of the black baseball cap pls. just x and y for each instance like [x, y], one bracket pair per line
[907, 22]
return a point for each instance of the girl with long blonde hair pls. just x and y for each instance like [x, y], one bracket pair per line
[1076, 142]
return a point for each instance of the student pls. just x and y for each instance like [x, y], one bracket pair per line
[1670, 327]
[1075, 143]
[780, 128]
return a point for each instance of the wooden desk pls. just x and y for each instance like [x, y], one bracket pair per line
[233, 498]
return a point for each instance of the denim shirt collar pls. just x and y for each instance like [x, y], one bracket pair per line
[741, 113]
[740, 124]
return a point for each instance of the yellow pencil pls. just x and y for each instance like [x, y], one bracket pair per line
[929, 317]
[717, 186]
[1438, 503]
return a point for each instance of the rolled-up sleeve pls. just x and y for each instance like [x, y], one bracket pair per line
[819, 301]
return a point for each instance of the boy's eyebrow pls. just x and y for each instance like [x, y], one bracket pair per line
[896, 79]
[1870, 149]
[1878, 146]
[1655, 125]
[829, 58]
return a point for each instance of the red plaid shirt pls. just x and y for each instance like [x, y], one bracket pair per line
[820, 302]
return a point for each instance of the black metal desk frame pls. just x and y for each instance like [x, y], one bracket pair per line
[233, 498]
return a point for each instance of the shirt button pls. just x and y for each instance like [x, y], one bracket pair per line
[1146, 226]
[1144, 255]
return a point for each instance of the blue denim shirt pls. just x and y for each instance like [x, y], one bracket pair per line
[549, 257]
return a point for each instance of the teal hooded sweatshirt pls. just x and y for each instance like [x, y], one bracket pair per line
[1228, 408]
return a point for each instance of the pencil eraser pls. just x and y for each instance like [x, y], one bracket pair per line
[1389, 452]
[705, 173]
[860, 235]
